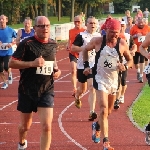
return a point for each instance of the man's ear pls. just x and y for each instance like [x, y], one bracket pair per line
[6, 19]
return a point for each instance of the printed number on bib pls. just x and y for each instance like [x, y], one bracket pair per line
[4, 47]
[108, 62]
[141, 38]
[47, 69]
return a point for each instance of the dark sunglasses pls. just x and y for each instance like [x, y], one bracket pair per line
[43, 26]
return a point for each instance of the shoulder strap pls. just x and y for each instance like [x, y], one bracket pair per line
[117, 49]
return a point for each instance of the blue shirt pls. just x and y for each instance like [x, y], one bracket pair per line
[26, 35]
[6, 36]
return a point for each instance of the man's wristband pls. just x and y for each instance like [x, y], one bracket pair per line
[86, 64]
[126, 67]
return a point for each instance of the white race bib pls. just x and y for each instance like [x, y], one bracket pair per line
[141, 38]
[47, 69]
[3, 46]
[108, 62]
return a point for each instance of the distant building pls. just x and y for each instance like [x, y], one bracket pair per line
[108, 8]
[135, 8]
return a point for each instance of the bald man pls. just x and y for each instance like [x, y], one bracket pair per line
[108, 61]
[37, 67]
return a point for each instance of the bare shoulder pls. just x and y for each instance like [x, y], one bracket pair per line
[97, 40]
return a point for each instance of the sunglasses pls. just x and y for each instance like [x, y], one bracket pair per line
[43, 26]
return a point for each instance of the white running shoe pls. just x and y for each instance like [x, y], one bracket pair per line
[121, 99]
[5, 86]
[22, 147]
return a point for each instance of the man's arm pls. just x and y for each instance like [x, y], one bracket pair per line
[126, 54]
[19, 34]
[143, 47]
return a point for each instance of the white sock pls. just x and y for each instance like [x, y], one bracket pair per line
[141, 75]
[138, 70]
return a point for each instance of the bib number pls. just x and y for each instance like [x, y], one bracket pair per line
[4, 47]
[108, 62]
[47, 69]
[141, 39]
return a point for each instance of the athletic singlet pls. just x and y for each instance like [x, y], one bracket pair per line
[36, 80]
[105, 68]
[85, 37]
[26, 35]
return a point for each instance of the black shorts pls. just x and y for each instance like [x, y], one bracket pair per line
[28, 103]
[82, 78]
[72, 58]
[138, 58]
[4, 63]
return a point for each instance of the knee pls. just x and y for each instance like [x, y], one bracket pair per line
[46, 128]
[24, 128]
[104, 112]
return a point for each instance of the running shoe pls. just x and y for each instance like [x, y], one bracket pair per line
[140, 79]
[92, 116]
[78, 103]
[138, 75]
[121, 99]
[5, 86]
[116, 104]
[147, 134]
[10, 79]
[106, 144]
[96, 132]
[20, 147]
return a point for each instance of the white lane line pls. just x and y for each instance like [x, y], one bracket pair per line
[8, 104]
[7, 123]
[62, 59]
[62, 128]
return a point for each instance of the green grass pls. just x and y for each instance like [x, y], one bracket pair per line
[141, 108]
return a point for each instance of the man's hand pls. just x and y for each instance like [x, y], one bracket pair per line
[87, 71]
[56, 74]
[121, 67]
[38, 62]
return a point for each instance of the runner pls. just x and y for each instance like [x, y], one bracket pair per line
[73, 55]
[109, 50]
[82, 39]
[26, 32]
[7, 40]
[35, 57]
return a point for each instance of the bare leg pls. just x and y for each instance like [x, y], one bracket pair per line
[24, 126]
[46, 117]
[74, 74]
[92, 95]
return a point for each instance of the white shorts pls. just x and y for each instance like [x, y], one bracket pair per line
[109, 90]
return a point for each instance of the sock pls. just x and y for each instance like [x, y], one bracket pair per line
[141, 75]
[138, 70]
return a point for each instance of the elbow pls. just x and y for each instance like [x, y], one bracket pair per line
[11, 63]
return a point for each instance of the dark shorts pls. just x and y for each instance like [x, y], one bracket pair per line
[28, 104]
[138, 58]
[72, 58]
[82, 78]
[4, 63]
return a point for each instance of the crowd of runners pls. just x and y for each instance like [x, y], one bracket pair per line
[100, 59]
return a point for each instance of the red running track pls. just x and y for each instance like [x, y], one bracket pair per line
[71, 129]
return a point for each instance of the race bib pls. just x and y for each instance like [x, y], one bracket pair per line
[4, 47]
[47, 69]
[108, 62]
[141, 38]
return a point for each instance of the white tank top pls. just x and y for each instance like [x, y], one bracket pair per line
[86, 39]
[107, 70]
